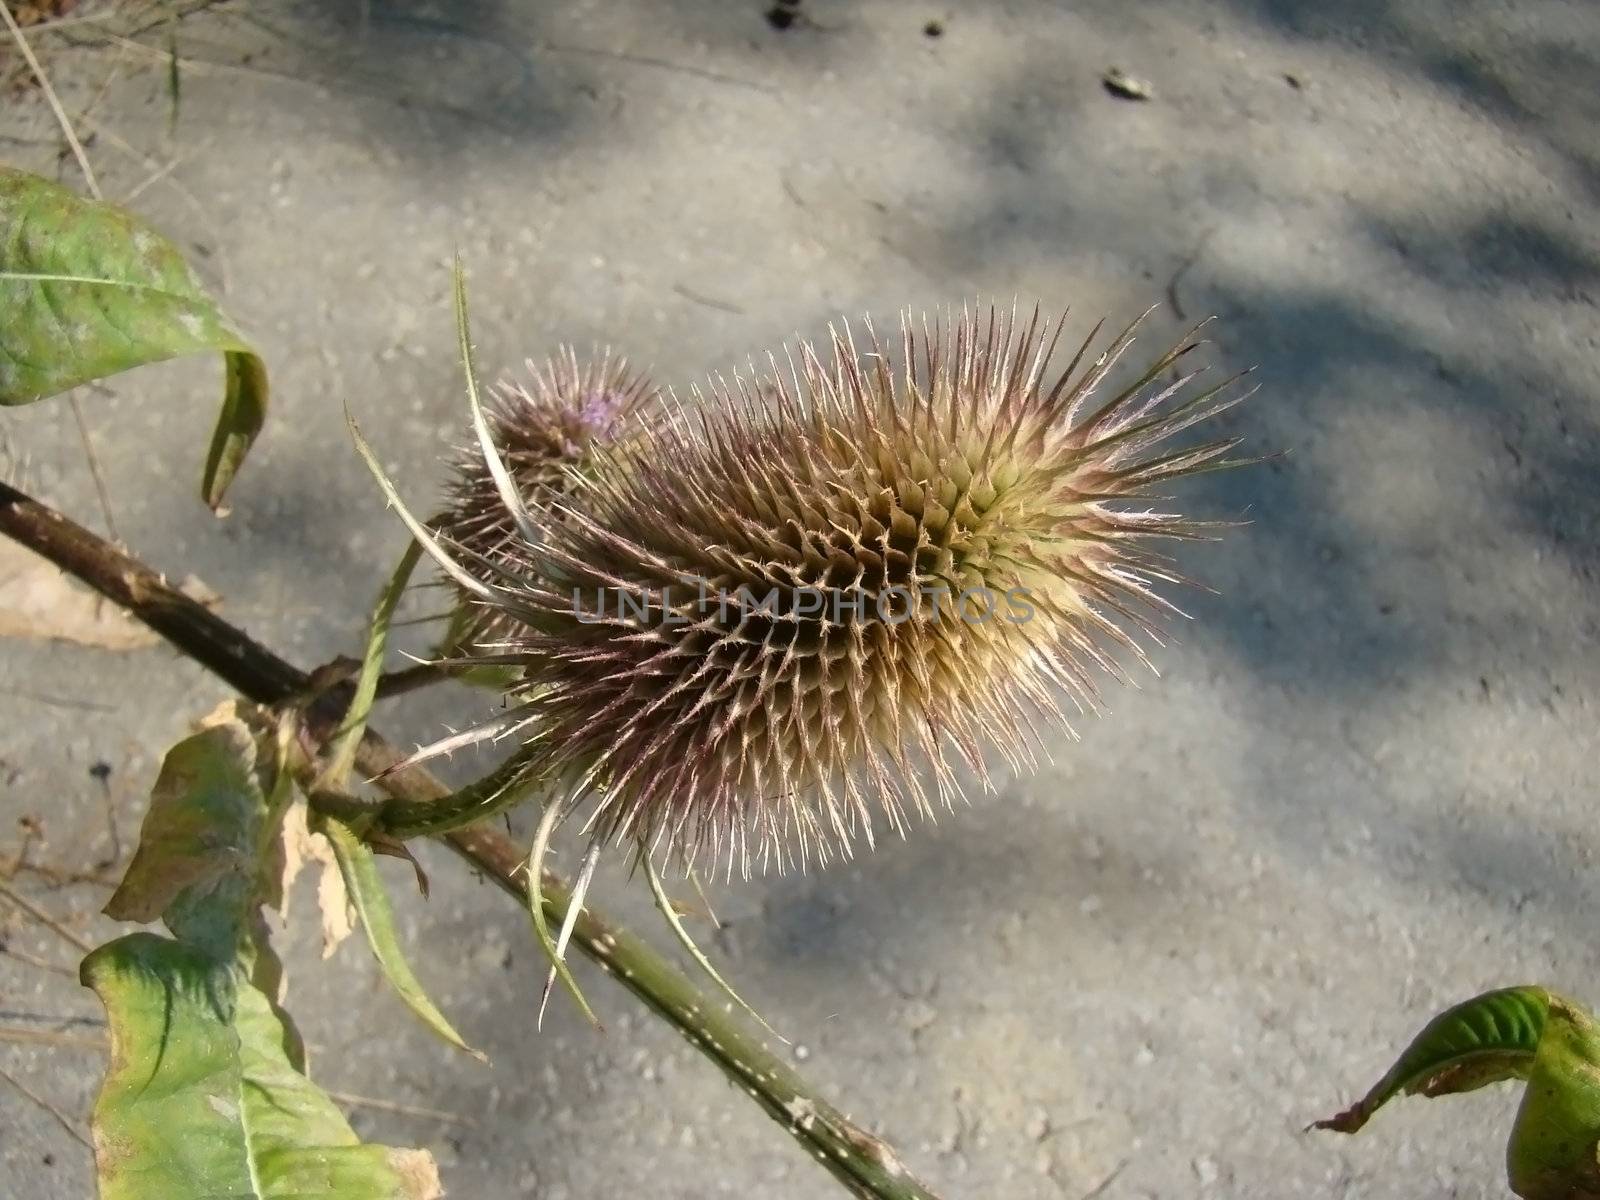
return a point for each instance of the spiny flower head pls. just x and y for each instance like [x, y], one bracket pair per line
[543, 430]
[808, 590]
[547, 432]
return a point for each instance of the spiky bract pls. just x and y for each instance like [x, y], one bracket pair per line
[675, 667]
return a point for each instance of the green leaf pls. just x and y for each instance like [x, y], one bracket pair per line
[1489, 1038]
[89, 290]
[360, 870]
[1553, 1150]
[206, 1095]
[201, 1102]
[244, 412]
[1526, 1033]
[198, 863]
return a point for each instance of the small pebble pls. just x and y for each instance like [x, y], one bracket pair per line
[1124, 86]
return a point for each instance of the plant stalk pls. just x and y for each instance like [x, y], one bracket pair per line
[867, 1166]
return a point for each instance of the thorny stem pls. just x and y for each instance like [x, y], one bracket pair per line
[411, 679]
[405, 815]
[865, 1165]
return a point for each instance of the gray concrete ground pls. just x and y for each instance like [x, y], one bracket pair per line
[1362, 787]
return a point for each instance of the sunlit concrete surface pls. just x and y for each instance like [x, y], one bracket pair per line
[1362, 786]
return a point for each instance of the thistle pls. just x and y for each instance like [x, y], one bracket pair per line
[744, 629]
[547, 433]
[822, 578]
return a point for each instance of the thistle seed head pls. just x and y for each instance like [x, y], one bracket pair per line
[548, 432]
[750, 630]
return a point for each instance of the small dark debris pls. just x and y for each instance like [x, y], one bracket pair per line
[1293, 80]
[49, 1160]
[100, 771]
[1124, 86]
[1386, 609]
[783, 14]
[37, 12]
[933, 29]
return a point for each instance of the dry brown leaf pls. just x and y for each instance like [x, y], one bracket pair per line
[302, 847]
[338, 913]
[419, 1174]
[39, 601]
[225, 713]
[37, 12]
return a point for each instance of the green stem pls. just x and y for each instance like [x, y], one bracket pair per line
[405, 816]
[864, 1164]
[342, 753]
